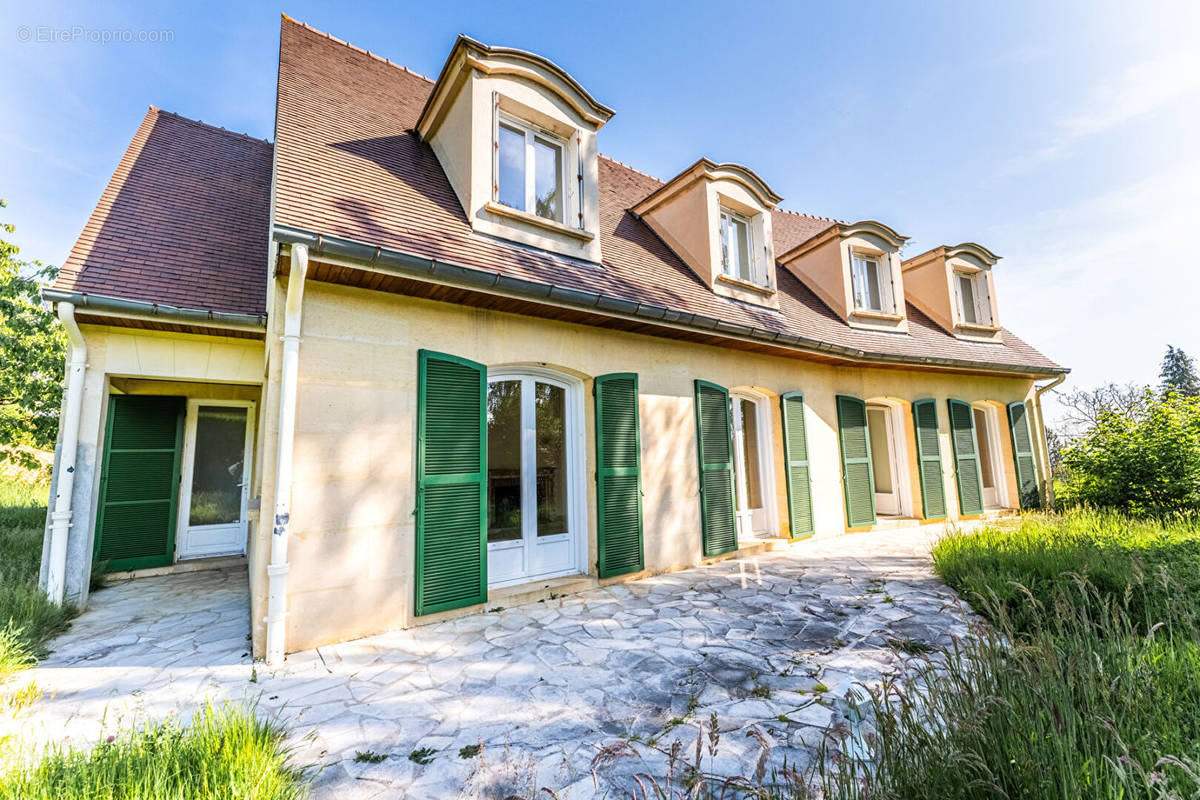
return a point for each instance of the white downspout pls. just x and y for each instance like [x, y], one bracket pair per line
[60, 517]
[277, 569]
[1042, 444]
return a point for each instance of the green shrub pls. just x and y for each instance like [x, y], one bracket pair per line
[1144, 460]
[226, 752]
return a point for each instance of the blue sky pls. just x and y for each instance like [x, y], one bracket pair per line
[1060, 135]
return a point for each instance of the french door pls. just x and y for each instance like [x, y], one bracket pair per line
[215, 486]
[753, 477]
[533, 475]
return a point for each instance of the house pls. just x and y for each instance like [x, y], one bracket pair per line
[430, 352]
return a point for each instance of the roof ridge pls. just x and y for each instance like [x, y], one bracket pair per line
[209, 125]
[630, 167]
[362, 50]
[810, 216]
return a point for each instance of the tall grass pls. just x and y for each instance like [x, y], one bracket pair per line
[1085, 683]
[27, 618]
[225, 752]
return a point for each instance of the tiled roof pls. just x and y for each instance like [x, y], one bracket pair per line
[184, 219]
[350, 165]
[182, 222]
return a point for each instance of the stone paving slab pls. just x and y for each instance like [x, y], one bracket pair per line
[767, 643]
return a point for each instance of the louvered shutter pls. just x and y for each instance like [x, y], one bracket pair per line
[1022, 444]
[795, 455]
[714, 441]
[966, 458]
[451, 568]
[139, 482]
[858, 477]
[929, 459]
[618, 475]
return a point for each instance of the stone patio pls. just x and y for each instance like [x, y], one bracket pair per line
[769, 644]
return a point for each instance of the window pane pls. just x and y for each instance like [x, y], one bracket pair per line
[217, 466]
[504, 461]
[551, 416]
[985, 449]
[874, 297]
[743, 248]
[511, 180]
[750, 451]
[865, 276]
[966, 288]
[726, 261]
[548, 165]
[881, 459]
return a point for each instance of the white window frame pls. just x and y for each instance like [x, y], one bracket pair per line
[982, 297]
[756, 275]
[532, 134]
[883, 267]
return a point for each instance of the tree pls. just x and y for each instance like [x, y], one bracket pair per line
[1178, 373]
[32, 348]
[1144, 461]
[1085, 407]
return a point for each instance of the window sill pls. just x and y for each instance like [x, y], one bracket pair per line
[502, 210]
[749, 285]
[971, 327]
[880, 316]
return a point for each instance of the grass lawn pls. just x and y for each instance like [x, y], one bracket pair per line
[27, 618]
[226, 752]
[1087, 683]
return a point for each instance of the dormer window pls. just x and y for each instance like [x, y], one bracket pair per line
[737, 247]
[872, 286]
[974, 306]
[529, 169]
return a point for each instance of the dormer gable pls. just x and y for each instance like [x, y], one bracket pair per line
[855, 269]
[954, 286]
[717, 218]
[516, 137]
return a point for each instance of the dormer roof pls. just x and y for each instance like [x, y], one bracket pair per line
[843, 230]
[704, 169]
[469, 54]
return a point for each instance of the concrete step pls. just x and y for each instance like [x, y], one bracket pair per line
[540, 590]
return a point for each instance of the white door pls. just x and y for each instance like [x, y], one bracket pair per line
[879, 428]
[215, 482]
[752, 467]
[533, 474]
[988, 449]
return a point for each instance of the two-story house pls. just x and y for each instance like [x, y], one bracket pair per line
[430, 351]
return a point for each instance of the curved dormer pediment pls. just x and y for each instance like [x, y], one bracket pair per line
[717, 218]
[855, 269]
[954, 286]
[516, 137]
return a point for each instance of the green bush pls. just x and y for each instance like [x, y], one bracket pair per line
[1145, 460]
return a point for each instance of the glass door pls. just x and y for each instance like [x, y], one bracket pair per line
[530, 455]
[751, 446]
[215, 484]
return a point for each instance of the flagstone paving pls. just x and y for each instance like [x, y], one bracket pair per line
[770, 644]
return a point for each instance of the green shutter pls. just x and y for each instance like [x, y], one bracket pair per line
[451, 569]
[858, 476]
[795, 455]
[139, 482]
[618, 475]
[966, 458]
[1022, 444]
[714, 442]
[929, 458]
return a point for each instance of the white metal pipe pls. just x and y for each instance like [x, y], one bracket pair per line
[277, 569]
[1042, 444]
[60, 517]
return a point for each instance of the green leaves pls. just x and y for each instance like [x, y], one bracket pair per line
[32, 348]
[1144, 461]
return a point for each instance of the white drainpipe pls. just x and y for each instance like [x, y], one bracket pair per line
[1042, 444]
[277, 569]
[60, 518]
